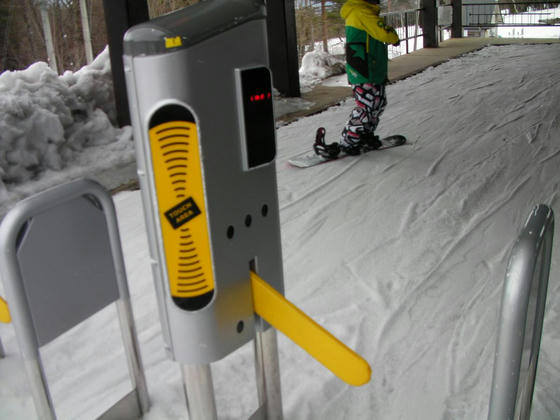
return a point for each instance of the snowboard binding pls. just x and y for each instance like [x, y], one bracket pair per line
[364, 143]
[370, 141]
[328, 151]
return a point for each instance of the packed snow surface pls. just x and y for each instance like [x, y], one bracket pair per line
[401, 254]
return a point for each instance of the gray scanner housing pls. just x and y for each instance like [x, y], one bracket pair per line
[219, 39]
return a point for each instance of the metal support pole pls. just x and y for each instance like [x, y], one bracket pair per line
[199, 392]
[130, 340]
[282, 46]
[429, 23]
[416, 20]
[39, 389]
[268, 374]
[406, 30]
[23, 324]
[457, 19]
[119, 16]
[124, 308]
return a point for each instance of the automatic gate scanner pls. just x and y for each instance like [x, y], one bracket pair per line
[200, 95]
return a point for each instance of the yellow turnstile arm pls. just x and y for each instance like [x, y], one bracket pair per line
[4, 312]
[314, 339]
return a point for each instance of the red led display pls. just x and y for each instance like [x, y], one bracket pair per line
[258, 116]
[260, 97]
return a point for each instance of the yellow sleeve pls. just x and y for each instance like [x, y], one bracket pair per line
[376, 28]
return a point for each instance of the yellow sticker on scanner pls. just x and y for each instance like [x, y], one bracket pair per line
[173, 42]
[182, 209]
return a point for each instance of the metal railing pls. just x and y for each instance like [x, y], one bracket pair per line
[493, 14]
[406, 23]
[521, 321]
[50, 260]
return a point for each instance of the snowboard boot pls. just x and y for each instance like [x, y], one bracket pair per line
[328, 151]
[350, 143]
[369, 141]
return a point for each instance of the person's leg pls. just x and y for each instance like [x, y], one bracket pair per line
[355, 127]
[359, 131]
[364, 118]
[375, 101]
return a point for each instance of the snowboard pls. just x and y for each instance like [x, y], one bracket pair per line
[309, 159]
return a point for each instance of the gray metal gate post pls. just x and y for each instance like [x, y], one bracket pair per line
[57, 247]
[199, 390]
[521, 321]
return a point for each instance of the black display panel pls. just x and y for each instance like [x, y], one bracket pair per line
[256, 90]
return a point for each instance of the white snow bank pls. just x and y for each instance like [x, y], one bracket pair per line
[318, 65]
[51, 123]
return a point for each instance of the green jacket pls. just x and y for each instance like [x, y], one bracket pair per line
[367, 37]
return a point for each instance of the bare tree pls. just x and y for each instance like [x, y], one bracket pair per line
[317, 20]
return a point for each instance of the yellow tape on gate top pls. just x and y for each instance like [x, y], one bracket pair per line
[318, 342]
[173, 42]
[4, 312]
[182, 208]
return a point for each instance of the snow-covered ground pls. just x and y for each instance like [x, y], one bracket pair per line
[401, 254]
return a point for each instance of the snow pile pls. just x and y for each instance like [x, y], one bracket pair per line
[318, 65]
[48, 123]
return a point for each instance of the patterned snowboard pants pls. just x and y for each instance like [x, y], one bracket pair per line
[371, 100]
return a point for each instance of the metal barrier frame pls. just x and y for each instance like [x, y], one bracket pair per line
[477, 11]
[521, 322]
[400, 21]
[30, 338]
